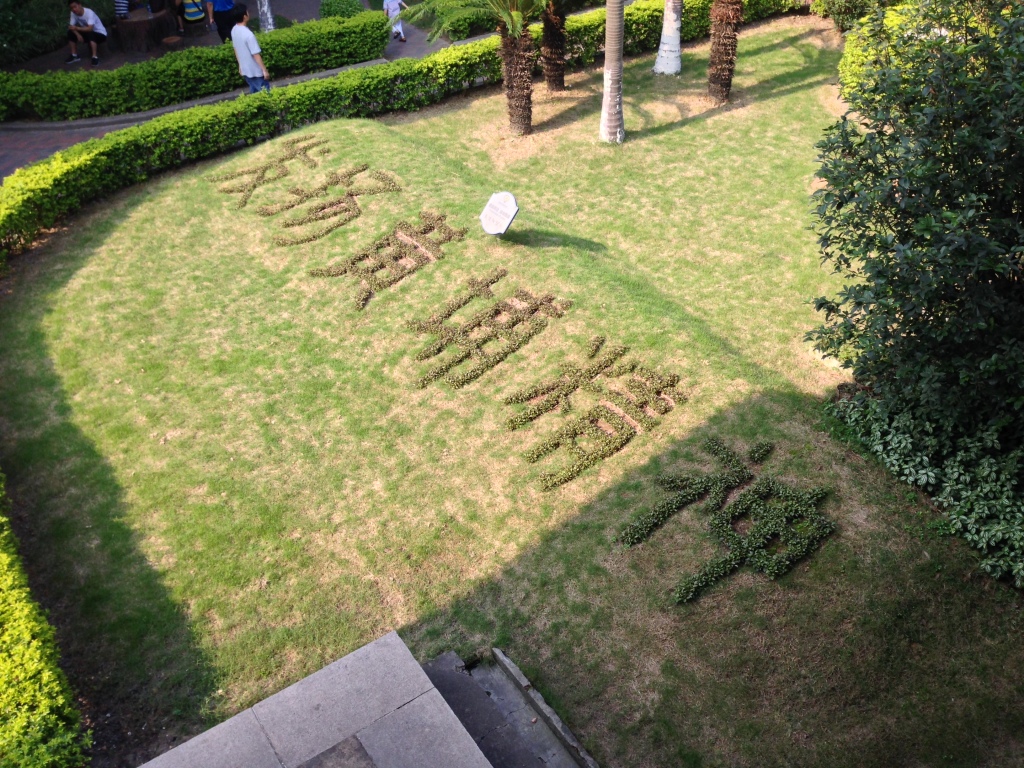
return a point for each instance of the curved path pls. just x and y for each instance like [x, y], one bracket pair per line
[22, 143]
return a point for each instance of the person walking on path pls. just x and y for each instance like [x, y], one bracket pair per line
[221, 13]
[392, 8]
[84, 26]
[247, 51]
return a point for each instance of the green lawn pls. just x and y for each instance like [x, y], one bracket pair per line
[226, 475]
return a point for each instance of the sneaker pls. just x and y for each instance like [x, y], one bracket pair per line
[95, 61]
[395, 36]
[401, 39]
[72, 59]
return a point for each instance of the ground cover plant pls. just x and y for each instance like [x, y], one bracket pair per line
[225, 473]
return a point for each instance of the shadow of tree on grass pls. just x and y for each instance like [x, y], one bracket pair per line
[127, 647]
[819, 65]
[883, 647]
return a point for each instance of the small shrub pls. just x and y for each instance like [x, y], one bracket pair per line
[844, 13]
[341, 8]
[856, 63]
[40, 726]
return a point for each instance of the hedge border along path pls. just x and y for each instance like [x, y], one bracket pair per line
[34, 198]
[40, 726]
[313, 46]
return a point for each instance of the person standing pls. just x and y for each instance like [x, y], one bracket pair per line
[221, 13]
[84, 26]
[247, 51]
[392, 8]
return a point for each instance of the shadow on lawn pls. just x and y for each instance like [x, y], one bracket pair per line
[549, 238]
[883, 647]
[127, 647]
[818, 69]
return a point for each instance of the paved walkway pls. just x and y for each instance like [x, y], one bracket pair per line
[23, 143]
[375, 708]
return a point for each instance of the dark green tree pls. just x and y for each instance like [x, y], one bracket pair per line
[923, 215]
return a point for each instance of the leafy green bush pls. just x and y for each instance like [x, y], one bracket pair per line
[844, 13]
[188, 74]
[341, 8]
[856, 62]
[34, 198]
[922, 214]
[40, 726]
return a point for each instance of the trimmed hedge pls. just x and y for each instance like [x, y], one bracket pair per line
[340, 8]
[40, 726]
[34, 198]
[176, 77]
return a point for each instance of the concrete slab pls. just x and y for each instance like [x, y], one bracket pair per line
[235, 743]
[502, 691]
[346, 754]
[545, 712]
[467, 700]
[478, 714]
[423, 734]
[327, 707]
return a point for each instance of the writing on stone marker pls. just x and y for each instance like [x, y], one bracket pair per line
[499, 213]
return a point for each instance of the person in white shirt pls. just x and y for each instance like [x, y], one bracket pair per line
[247, 51]
[84, 26]
[392, 8]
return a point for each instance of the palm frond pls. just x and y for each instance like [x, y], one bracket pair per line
[443, 15]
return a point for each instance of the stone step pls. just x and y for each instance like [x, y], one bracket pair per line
[375, 708]
[510, 722]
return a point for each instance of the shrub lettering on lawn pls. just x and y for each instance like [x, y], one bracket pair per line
[343, 209]
[607, 427]
[394, 257]
[338, 210]
[489, 336]
[783, 524]
[259, 175]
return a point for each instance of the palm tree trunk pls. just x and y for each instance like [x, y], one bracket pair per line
[725, 17]
[552, 47]
[669, 61]
[612, 127]
[517, 57]
[266, 16]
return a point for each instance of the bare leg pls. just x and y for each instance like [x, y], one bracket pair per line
[74, 46]
[93, 48]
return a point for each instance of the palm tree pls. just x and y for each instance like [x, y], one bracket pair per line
[552, 45]
[669, 61]
[612, 126]
[552, 41]
[725, 17]
[517, 51]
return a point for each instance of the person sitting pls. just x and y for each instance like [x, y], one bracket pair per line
[247, 51]
[84, 26]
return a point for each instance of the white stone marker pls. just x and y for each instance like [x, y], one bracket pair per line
[499, 213]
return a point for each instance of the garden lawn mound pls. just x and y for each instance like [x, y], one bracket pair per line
[244, 449]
